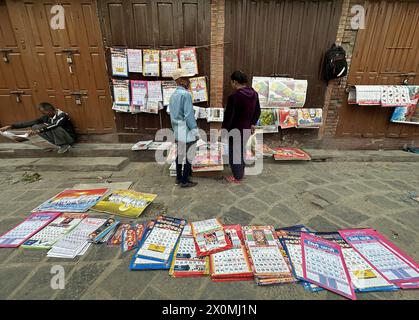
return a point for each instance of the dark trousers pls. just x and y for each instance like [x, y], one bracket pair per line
[57, 136]
[184, 171]
[236, 158]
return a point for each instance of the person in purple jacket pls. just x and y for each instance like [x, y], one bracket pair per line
[242, 113]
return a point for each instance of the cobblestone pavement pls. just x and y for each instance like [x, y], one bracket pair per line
[324, 196]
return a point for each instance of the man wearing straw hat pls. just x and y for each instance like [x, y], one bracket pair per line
[184, 126]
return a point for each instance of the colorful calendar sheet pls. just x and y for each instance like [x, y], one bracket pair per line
[232, 264]
[323, 265]
[290, 239]
[287, 92]
[151, 63]
[162, 240]
[119, 62]
[364, 277]
[291, 154]
[288, 118]
[168, 88]
[121, 94]
[261, 86]
[391, 262]
[198, 88]
[127, 203]
[154, 91]
[309, 118]
[265, 255]
[53, 232]
[186, 263]
[29, 227]
[395, 96]
[131, 236]
[210, 237]
[76, 241]
[138, 92]
[188, 60]
[116, 238]
[169, 62]
[268, 120]
[135, 60]
[71, 200]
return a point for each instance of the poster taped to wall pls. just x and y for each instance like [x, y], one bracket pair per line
[188, 60]
[268, 120]
[288, 118]
[309, 118]
[119, 62]
[169, 62]
[121, 92]
[151, 63]
[198, 87]
[138, 92]
[261, 86]
[410, 113]
[168, 88]
[287, 92]
[135, 60]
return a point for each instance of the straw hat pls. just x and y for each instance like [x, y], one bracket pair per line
[180, 73]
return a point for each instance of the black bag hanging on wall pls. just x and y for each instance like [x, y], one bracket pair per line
[335, 64]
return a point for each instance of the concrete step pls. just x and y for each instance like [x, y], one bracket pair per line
[81, 150]
[79, 164]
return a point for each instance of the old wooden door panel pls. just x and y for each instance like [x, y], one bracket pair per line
[282, 37]
[155, 24]
[82, 36]
[14, 75]
[384, 51]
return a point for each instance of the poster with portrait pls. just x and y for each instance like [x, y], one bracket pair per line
[309, 118]
[288, 118]
[198, 87]
[151, 63]
[169, 62]
[188, 60]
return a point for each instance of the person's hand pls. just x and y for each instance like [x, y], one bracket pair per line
[5, 128]
[32, 132]
[253, 129]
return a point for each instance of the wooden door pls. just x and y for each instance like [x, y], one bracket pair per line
[155, 24]
[55, 83]
[280, 37]
[16, 94]
[386, 52]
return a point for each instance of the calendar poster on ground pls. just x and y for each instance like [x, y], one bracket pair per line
[323, 265]
[395, 265]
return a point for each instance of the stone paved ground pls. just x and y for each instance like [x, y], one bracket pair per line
[324, 196]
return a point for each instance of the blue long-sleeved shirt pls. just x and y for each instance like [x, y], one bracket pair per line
[182, 116]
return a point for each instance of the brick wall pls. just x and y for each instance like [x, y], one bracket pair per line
[217, 52]
[335, 92]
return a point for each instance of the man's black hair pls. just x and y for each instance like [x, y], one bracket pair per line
[46, 106]
[239, 76]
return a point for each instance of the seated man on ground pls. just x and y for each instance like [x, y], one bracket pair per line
[54, 126]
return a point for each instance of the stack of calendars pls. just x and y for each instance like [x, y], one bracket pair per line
[210, 237]
[269, 266]
[76, 242]
[57, 229]
[232, 264]
[208, 158]
[104, 232]
[156, 248]
[186, 263]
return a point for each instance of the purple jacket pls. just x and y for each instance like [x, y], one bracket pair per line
[243, 109]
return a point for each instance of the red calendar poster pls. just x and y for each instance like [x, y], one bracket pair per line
[323, 264]
[395, 265]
